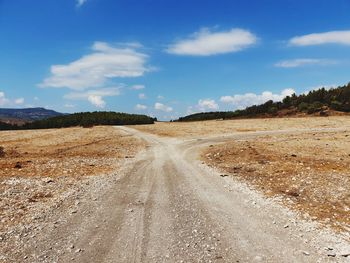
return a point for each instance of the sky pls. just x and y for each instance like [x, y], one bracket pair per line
[169, 58]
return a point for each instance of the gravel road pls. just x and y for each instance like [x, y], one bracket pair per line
[166, 206]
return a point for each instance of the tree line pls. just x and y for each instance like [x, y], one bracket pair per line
[84, 119]
[337, 99]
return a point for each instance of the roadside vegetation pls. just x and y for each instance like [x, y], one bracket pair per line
[83, 119]
[320, 102]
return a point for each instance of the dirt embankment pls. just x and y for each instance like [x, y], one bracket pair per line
[40, 169]
[310, 172]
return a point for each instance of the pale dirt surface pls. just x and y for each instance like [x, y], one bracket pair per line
[309, 171]
[164, 205]
[219, 127]
[41, 170]
[308, 167]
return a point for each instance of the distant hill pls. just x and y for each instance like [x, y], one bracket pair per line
[20, 116]
[321, 102]
[84, 119]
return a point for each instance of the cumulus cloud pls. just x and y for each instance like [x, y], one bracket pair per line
[95, 97]
[93, 70]
[19, 101]
[80, 2]
[245, 100]
[206, 43]
[191, 110]
[137, 87]
[331, 37]
[140, 107]
[3, 100]
[162, 107]
[97, 101]
[300, 62]
[207, 104]
[142, 96]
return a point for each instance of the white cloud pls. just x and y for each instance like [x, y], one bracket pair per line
[191, 110]
[68, 105]
[19, 101]
[36, 98]
[140, 107]
[206, 43]
[142, 96]
[249, 99]
[95, 97]
[160, 97]
[93, 70]
[97, 101]
[207, 104]
[105, 92]
[3, 100]
[162, 107]
[331, 37]
[80, 2]
[327, 87]
[137, 87]
[300, 62]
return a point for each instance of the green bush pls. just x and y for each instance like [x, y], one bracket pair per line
[314, 107]
[303, 106]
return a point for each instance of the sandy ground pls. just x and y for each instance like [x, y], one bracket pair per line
[219, 127]
[40, 169]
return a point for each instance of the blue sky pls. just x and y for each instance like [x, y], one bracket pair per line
[168, 58]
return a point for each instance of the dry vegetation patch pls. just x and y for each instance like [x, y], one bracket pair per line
[40, 168]
[219, 127]
[72, 151]
[309, 171]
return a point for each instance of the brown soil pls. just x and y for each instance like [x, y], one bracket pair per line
[72, 151]
[309, 171]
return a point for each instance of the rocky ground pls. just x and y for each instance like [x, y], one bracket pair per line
[43, 171]
[309, 171]
[110, 194]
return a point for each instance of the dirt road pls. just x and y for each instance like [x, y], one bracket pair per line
[165, 206]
